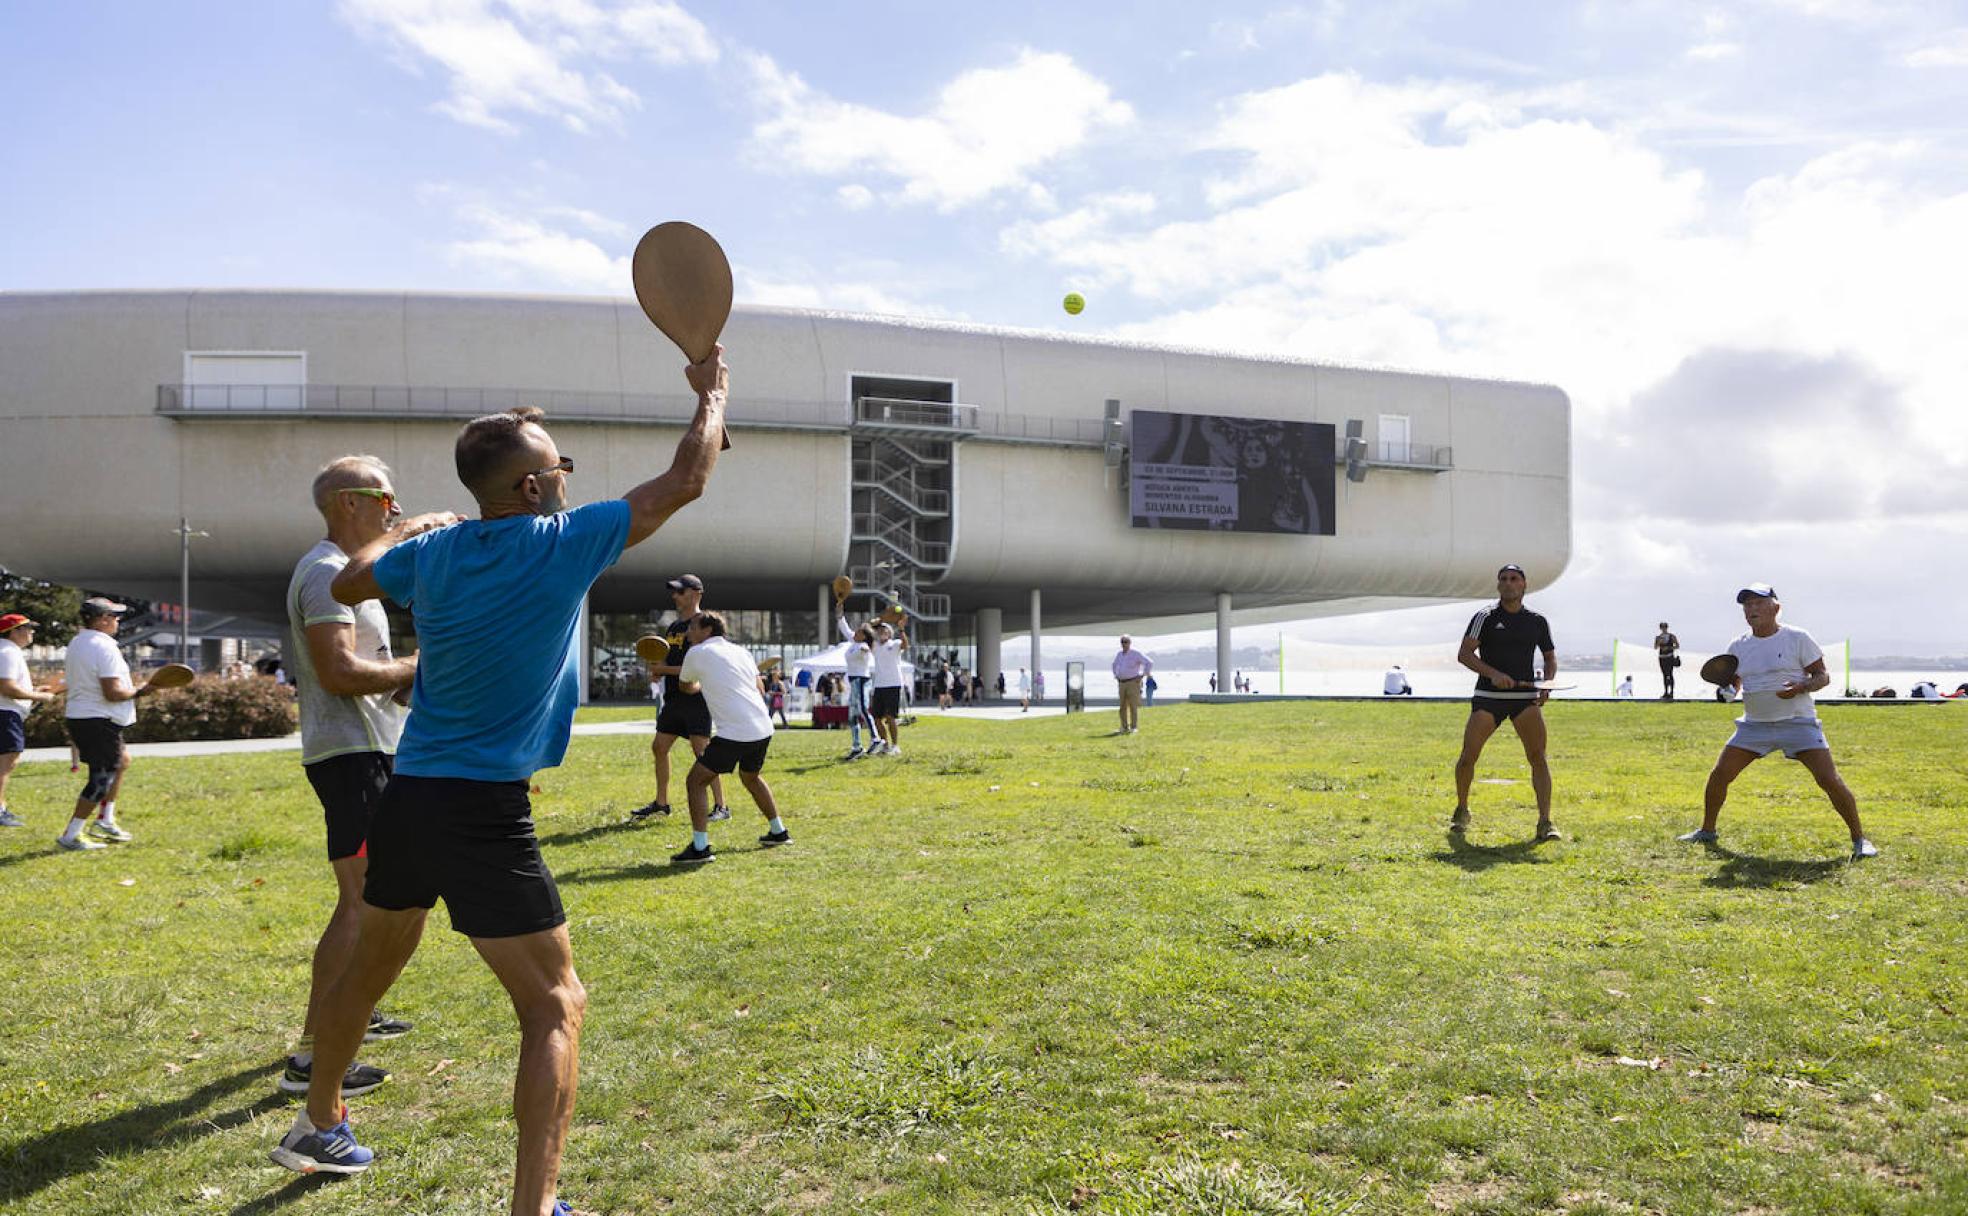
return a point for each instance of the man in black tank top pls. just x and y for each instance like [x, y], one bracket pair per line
[1502, 645]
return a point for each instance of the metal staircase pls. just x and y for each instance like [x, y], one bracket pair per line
[903, 475]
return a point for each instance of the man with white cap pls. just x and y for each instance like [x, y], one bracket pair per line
[101, 703]
[1131, 667]
[18, 697]
[1777, 667]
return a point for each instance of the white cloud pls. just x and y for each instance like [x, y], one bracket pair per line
[1706, 52]
[505, 57]
[1948, 51]
[529, 253]
[833, 291]
[989, 130]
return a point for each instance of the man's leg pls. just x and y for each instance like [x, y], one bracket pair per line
[1728, 766]
[659, 750]
[337, 944]
[697, 745]
[1818, 762]
[1667, 680]
[1531, 733]
[115, 783]
[537, 970]
[384, 941]
[7, 762]
[696, 787]
[1475, 733]
[761, 793]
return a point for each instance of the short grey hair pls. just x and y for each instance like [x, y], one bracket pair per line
[355, 472]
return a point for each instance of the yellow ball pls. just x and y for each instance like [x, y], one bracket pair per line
[1074, 302]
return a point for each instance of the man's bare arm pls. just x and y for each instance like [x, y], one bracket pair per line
[357, 581]
[1466, 655]
[343, 673]
[653, 502]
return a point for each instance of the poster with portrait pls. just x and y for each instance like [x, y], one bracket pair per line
[1209, 472]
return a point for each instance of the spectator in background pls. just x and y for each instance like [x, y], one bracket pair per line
[1024, 691]
[1148, 687]
[1131, 669]
[1667, 648]
[18, 697]
[1395, 683]
[1625, 688]
[1038, 687]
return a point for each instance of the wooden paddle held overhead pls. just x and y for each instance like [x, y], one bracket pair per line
[683, 282]
[843, 587]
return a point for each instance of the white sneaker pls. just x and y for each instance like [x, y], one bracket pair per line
[892, 750]
[102, 830]
[10, 820]
[81, 844]
[1863, 848]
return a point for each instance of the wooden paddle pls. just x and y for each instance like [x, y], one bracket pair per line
[652, 649]
[769, 664]
[171, 675]
[1719, 669]
[843, 587]
[1539, 687]
[683, 282]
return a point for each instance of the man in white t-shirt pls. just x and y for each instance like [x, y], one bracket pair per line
[1395, 683]
[889, 647]
[1024, 691]
[741, 733]
[18, 697]
[101, 702]
[1778, 668]
[352, 691]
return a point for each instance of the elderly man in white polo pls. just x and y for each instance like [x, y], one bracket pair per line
[1131, 667]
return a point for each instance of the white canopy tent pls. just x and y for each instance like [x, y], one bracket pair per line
[834, 659]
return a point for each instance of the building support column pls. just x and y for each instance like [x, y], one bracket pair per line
[1036, 650]
[825, 636]
[1223, 641]
[990, 646]
[584, 644]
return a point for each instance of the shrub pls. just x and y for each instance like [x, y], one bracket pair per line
[207, 709]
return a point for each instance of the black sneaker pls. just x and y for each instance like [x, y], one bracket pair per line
[649, 809]
[782, 836]
[693, 856]
[382, 1026]
[359, 1079]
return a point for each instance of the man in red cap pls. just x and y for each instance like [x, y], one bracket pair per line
[18, 697]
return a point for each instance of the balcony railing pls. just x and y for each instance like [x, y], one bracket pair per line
[1390, 455]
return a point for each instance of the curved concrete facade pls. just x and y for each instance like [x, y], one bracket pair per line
[103, 449]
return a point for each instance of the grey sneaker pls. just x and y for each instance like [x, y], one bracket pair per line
[719, 813]
[81, 844]
[10, 820]
[1459, 822]
[1545, 831]
[108, 831]
[1863, 848]
[1698, 836]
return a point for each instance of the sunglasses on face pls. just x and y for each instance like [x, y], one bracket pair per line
[383, 496]
[563, 466]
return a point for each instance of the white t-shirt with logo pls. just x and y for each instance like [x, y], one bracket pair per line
[730, 681]
[858, 658]
[13, 666]
[1764, 665]
[888, 663]
[93, 658]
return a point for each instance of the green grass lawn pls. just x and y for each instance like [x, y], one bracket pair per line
[1230, 964]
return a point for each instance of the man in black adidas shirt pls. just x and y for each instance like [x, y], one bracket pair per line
[684, 715]
[1500, 646]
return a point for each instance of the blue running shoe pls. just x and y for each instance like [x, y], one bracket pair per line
[563, 1208]
[323, 1151]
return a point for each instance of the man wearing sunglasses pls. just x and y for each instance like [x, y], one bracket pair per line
[352, 690]
[498, 602]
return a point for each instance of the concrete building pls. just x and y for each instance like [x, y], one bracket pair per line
[979, 476]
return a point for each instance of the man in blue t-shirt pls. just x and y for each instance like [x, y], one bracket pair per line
[498, 604]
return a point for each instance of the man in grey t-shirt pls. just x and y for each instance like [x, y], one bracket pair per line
[352, 691]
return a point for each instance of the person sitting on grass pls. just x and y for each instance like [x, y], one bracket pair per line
[1778, 667]
[741, 734]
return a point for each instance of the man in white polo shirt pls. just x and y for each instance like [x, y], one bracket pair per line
[101, 702]
[18, 697]
[741, 733]
[889, 648]
[1778, 668]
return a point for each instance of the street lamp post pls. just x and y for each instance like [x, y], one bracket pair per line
[184, 587]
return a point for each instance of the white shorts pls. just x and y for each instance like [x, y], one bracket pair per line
[1793, 735]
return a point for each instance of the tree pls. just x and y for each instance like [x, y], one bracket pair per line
[57, 609]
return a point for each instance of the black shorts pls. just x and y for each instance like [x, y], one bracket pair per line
[350, 788]
[685, 716]
[469, 843]
[98, 741]
[1503, 709]
[723, 755]
[885, 702]
[13, 733]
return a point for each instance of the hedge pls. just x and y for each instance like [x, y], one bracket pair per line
[207, 709]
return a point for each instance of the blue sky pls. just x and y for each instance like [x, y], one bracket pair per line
[1736, 234]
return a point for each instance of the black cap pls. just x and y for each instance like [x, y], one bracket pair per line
[685, 582]
[1764, 590]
